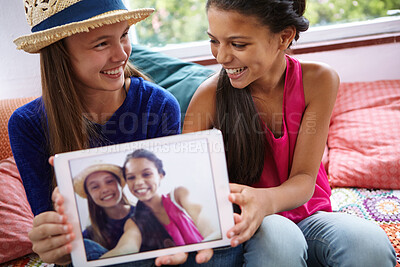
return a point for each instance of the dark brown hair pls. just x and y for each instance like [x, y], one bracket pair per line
[144, 154]
[277, 15]
[154, 234]
[236, 114]
[242, 130]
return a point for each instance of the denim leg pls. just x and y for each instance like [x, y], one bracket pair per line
[277, 242]
[93, 249]
[223, 257]
[339, 239]
[141, 263]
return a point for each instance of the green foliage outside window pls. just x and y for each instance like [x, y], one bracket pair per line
[173, 22]
[180, 21]
[323, 12]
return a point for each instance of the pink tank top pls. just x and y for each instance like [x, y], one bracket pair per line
[181, 227]
[278, 160]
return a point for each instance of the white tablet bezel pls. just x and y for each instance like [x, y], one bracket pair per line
[192, 142]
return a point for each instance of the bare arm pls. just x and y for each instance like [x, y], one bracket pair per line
[200, 114]
[196, 212]
[129, 242]
[320, 88]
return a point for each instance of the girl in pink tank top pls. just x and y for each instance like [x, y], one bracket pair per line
[274, 114]
[143, 172]
[279, 156]
[160, 221]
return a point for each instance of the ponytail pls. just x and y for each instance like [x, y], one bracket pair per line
[299, 6]
[242, 130]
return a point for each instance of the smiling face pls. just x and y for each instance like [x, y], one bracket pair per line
[104, 189]
[246, 49]
[99, 57]
[142, 178]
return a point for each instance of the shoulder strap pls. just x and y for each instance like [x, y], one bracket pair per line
[173, 200]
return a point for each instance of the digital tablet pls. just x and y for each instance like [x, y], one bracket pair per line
[184, 205]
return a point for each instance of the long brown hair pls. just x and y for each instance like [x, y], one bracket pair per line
[64, 123]
[236, 114]
[242, 130]
[98, 219]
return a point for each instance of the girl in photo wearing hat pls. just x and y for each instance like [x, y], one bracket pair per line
[164, 220]
[274, 113]
[109, 209]
[91, 96]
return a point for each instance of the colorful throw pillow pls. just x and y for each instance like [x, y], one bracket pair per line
[15, 214]
[364, 139]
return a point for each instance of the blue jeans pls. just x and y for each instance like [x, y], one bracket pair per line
[323, 239]
[94, 251]
[223, 257]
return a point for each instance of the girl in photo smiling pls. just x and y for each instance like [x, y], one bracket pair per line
[163, 220]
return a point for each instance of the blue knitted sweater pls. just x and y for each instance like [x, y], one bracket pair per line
[148, 111]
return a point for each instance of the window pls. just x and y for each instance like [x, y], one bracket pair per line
[178, 26]
[323, 12]
[173, 22]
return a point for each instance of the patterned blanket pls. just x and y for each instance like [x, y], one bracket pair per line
[379, 206]
[31, 260]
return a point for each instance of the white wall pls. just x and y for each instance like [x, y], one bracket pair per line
[367, 63]
[19, 71]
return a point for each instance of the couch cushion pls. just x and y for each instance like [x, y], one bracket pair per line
[363, 139]
[15, 213]
[7, 107]
[178, 77]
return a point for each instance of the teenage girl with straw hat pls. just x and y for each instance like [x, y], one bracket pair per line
[91, 96]
[101, 185]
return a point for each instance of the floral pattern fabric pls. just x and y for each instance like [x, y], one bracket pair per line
[377, 205]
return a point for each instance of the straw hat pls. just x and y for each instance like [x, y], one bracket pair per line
[53, 20]
[79, 180]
